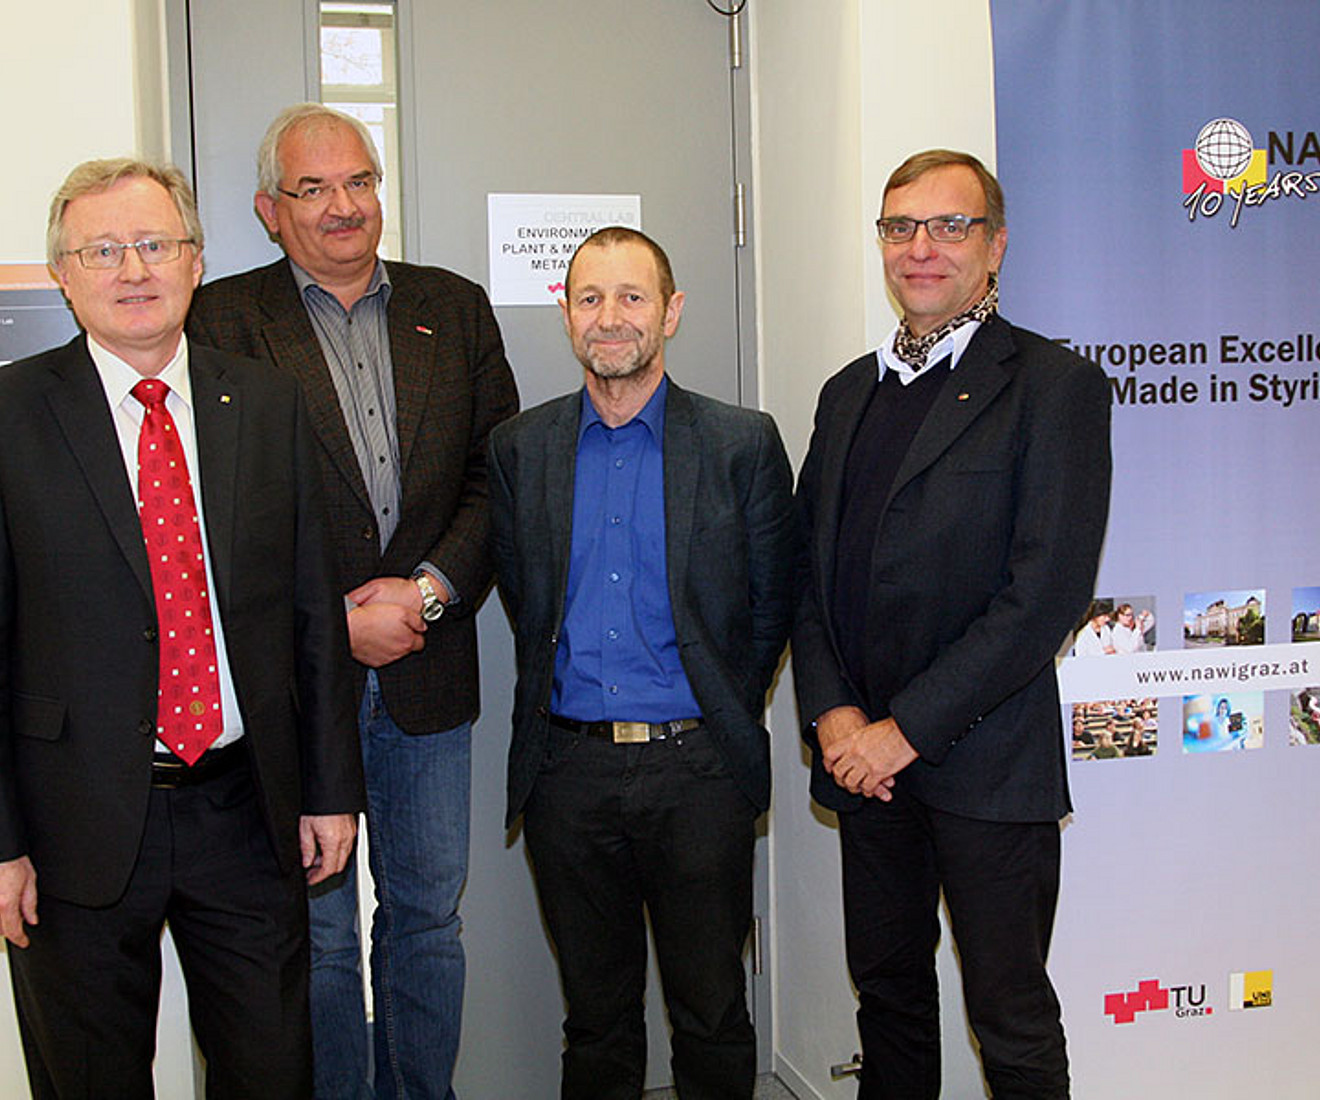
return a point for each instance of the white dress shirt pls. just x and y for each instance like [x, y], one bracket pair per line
[118, 380]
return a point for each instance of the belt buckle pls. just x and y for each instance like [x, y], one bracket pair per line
[632, 733]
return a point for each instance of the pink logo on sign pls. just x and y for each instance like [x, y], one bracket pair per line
[1123, 1007]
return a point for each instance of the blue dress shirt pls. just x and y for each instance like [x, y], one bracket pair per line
[618, 653]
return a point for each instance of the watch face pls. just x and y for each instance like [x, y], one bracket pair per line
[432, 607]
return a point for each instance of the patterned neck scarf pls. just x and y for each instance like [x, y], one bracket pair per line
[913, 350]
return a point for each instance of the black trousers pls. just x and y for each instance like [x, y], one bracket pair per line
[88, 986]
[1001, 882]
[612, 828]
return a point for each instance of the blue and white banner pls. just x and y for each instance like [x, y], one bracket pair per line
[1162, 171]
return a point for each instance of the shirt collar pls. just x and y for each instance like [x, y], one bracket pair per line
[118, 378]
[380, 281]
[953, 345]
[652, 414]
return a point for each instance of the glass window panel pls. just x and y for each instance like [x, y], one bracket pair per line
[352, 55]
[358, 77]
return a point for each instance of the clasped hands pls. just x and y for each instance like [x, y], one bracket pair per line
[862, 756]
[387, 622]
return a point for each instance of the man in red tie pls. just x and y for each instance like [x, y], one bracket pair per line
[177, 732]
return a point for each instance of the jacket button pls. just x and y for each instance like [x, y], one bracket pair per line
[149, 635]
[543, 712]
[146, 727]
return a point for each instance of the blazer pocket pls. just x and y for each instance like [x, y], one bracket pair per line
[979, 464]
[39, 717]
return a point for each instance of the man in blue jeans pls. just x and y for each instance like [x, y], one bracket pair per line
[405, 375]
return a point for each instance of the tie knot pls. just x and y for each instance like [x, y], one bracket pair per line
[151, 392]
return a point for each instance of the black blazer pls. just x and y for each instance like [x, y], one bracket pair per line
[452, 384]
[984, 561]
[78, 654]
[731, 539]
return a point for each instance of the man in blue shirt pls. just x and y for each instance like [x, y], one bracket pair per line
[644, 539]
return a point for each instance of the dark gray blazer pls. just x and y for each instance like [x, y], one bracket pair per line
[451, 385]
[78, 653]
[731, 542]
[984, 561]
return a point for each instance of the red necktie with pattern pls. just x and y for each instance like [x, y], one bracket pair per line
[189, 717]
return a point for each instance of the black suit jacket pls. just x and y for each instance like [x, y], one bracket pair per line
[78, 653]
[984, 561]
[731, 539]
[452, 384]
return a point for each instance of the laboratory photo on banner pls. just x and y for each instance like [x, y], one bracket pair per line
[1306, 614]
[1223, 722]
[1115, 729]
[1227, 618]
[1116, 625]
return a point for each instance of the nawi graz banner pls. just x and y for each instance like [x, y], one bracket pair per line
[1162, 172]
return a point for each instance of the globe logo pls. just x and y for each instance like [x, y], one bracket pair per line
[1223, 148]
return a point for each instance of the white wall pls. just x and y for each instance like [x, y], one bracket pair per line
[70, 92]
[812, 305]
[843, 92]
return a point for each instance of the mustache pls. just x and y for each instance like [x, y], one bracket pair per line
[622, 329]
[334, 223]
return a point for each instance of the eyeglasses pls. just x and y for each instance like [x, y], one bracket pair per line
[357, 187]
[110, 254]
[942, 228]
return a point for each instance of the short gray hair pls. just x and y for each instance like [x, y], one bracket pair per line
[269, 168]
[95, 176]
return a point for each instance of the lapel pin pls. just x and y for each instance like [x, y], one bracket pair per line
[424, 330]
[964, 396]
[224, 399]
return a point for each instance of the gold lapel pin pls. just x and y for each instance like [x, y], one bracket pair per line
[224, 399]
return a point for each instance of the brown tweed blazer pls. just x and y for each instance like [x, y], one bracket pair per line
[452, 385]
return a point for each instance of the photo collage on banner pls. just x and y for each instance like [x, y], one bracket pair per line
[1161, 170]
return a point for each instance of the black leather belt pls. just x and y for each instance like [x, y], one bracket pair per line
[169, 773]
[627, 733]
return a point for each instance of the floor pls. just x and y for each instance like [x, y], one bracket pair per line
[768, 1087]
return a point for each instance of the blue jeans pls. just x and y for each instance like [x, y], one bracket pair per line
[417, 825]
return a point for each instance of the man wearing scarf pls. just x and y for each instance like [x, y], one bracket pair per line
[955, 495]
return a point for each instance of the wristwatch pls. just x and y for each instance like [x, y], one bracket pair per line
[432, 606]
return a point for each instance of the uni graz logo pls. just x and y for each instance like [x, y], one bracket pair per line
[1224, 164]
[1150, 996]
[1250, 989]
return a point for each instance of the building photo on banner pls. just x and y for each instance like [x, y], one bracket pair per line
[1163, 173]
